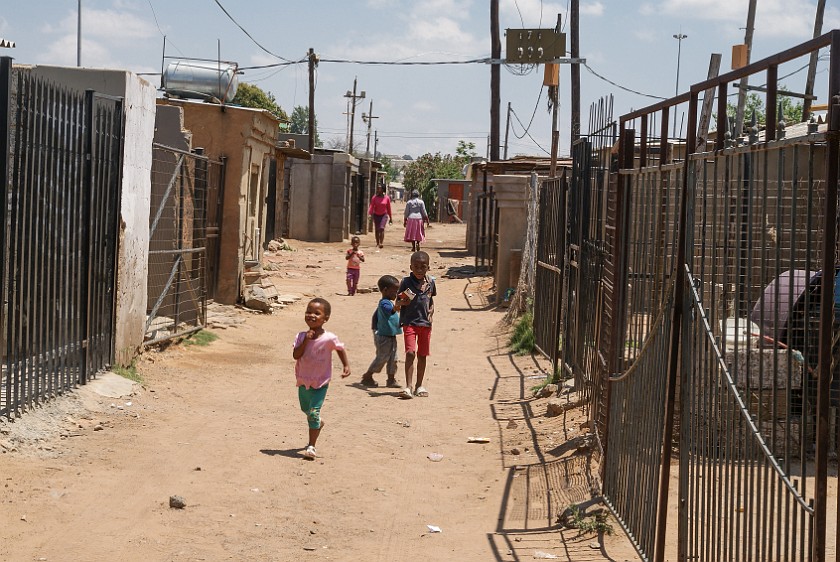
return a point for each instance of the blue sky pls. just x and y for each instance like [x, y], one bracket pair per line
[420, 108]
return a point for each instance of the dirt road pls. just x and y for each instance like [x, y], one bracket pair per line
[89, 478]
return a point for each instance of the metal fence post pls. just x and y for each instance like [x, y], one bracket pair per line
[5, 149]
[673, 356]
[87, 251]
[827, 304]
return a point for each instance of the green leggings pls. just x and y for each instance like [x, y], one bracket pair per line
[311, 400]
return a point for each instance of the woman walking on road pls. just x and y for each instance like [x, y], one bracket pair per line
[415, 221]
[380, 212]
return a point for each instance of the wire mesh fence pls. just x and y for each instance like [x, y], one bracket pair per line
[721, 279]
[178, 245]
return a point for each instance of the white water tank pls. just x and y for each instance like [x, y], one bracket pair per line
[189, 79]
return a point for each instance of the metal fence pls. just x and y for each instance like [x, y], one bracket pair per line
[551, 264]
[721, 275]
[487, 233]
[61, 165]
[178, 245]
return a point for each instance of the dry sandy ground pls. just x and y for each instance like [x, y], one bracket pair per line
[88, 478]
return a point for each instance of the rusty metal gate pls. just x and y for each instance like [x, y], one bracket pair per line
[548, 282]
[588, 253]
[178, 249]
[61, 166]
[487, 231]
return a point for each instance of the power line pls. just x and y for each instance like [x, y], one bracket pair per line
[531, 121]
[154, 15]
[485, 60]
[257, 43]
[530, 137]
[619, 86]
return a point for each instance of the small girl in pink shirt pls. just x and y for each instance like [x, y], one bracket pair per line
[313, 369]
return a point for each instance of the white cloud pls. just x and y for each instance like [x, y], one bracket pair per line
[646, 35]
[423, 107]
[433, 30]
[647, 9]
[531, 13]
[105, 34]
[113, 25]
[774, 18]
[592, 9]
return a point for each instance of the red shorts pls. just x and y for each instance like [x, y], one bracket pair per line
[417, 339]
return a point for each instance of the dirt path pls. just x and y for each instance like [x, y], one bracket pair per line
[89, 478]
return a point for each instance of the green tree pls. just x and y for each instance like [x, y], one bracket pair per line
[791, 110]
[420, 172]
[248, 95]
[388, 168]
[465, 149]
[300, 123]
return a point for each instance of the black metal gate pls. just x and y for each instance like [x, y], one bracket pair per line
[61, 166]
[178, 249]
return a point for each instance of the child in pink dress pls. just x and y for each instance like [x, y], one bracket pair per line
[313, 367]
[354, 258]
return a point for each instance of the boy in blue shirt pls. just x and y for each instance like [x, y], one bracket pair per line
[386, 327]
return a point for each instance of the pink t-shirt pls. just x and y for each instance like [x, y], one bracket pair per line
[314, 368]
[380, 205]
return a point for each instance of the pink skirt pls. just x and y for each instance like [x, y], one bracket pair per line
[415, 230]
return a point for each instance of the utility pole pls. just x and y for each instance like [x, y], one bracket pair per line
[507, 131]
[352, 98]
[679, 37]
[375, 143]
[574, 29]
[554, 92]
[79, 34]
[313, 62]
[368, 118]
[812, 65]
[495, 79]
[742, 88]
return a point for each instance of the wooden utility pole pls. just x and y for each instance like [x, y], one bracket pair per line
[495, 79]
[313, 61]
[353, 97]
[368, 118]
[554, 92]
[375, 143]
[507, 131]
[574, 29]
[742, 88]
[812, 66]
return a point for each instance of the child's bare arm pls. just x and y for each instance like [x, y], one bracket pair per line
[342, 355]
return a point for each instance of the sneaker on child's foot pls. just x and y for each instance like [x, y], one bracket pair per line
[309, 452]
[367, 380]
[392, 383]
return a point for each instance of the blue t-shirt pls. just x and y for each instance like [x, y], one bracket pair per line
[385, 322]
[416, 313]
